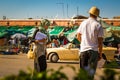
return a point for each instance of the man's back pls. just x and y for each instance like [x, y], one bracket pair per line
[89, 30]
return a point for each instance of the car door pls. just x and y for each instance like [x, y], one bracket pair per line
[70, 54]
[74, 54]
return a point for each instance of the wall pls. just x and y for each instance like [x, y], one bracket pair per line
[2, 41]
[59, 22]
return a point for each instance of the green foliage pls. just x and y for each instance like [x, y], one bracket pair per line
[82, 75]
[112, 64]
[33, 75]
[51, 74]
[109, 75]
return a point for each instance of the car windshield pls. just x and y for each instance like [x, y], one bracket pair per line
[65, 46]
[69, 45]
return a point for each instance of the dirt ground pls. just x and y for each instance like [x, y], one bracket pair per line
[12, 64]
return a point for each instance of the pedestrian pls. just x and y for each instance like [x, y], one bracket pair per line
[90, 35]
[45, 23]
[41, 38]
[53, 45]
[12, 42]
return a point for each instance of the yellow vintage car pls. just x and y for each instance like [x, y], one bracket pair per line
[69, 52]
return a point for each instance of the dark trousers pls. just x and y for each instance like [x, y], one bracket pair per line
[40, 64]
[88, 61]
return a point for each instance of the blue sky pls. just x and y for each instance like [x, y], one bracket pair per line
[22, 9]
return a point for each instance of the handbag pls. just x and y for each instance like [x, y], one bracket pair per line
[31, 53]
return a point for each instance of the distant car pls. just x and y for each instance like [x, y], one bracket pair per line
[69, 52]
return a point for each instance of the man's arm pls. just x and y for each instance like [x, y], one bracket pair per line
[79, 37]
[42, 40]
[100, 46]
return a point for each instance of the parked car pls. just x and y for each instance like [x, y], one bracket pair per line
[69, 52]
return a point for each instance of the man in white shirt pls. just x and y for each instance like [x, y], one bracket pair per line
[90, 34]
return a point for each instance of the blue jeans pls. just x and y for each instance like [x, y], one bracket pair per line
[88, 61]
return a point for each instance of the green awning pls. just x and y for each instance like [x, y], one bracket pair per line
[104, 24]
[72, 35]
[69, 32]
[3, 34]
[25, 29]
[113, 28]
[56, 31]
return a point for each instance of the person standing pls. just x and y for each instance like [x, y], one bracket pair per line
[41, 39]
[45, 23]
[90, 34]
[39, 50]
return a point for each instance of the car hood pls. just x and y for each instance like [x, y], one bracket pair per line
[55, 49]
[109, 48]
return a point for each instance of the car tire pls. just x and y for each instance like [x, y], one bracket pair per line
[117, 59]
[104, 57]
[53, 57]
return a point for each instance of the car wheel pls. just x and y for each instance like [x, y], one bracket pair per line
[104, 57]
[117, 59]
[54, 57]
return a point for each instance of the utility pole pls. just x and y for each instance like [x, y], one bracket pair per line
[62, 8]
[77, 10]
[67, 11]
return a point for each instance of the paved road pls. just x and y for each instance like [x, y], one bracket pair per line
[11, 64]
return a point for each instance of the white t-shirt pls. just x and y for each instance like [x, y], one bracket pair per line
[90, 30]
[40, 36]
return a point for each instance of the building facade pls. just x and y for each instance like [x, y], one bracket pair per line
[58, 22]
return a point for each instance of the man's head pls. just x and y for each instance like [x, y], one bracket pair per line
[94, 11]
[45, 23]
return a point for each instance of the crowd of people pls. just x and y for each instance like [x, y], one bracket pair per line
[58, 42]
